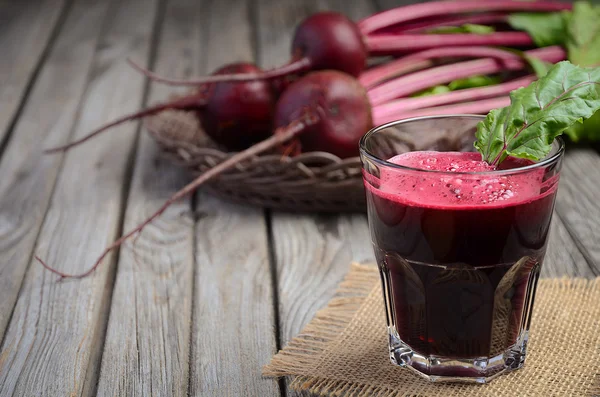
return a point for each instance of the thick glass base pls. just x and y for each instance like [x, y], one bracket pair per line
[470, 370]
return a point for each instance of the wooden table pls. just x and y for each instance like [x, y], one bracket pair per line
[211, 290]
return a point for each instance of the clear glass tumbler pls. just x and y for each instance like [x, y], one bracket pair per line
[459, 252]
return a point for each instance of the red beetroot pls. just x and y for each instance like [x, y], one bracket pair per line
[326, 106]
[329, 40]
[325, 40]
[343, 106]
[235, 115]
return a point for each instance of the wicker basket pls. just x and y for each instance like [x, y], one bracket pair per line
[317, 181]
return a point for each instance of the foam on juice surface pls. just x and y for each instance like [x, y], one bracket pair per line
[460, 190]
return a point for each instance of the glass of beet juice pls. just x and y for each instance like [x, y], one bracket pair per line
[459, 245]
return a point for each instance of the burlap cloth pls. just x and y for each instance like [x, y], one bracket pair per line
[343, 350]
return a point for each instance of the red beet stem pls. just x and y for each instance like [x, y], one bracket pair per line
[280, 136]
[186, 103]
[431, 9]
[414, 82]
[400, 43]
[298, 66]
[475, 107]
[392, 109]
[421, 60]
[420, 27]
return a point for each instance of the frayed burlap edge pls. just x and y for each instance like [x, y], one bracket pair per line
[304, 350]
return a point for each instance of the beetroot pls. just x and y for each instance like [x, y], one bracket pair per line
[235, 115]
[325, 40]
[325, 111]
[343, 106]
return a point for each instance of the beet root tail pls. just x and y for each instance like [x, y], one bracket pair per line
[185, 103]
[281, 135]
[298, 66]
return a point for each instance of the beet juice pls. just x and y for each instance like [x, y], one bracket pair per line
[459, 245]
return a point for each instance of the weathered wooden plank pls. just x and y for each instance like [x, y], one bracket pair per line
[233, 332]
[385, 4]
[53, 341]
[26, 29]
[312, 252]
[146, 350]
[577, 202]
[563, 257]
[28, 176]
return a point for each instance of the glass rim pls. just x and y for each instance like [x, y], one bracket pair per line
[365, 152]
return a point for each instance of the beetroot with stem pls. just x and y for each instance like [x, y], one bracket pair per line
[326, 104]
[235, 115]
[329, 40]
[325, 40]
[238, 115]
[345, 112]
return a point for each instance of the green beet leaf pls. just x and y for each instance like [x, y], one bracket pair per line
[538, 113]
[460, 84]
[540, 68]
[466, 28]
[437, 89]
[583, 34]
[589, 130]
[545, 29]
[474, 82]
[583, 46]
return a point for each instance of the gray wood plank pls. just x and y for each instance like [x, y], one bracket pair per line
[563, 256]
[385, 4]
[56, 333]
[233, 332]
[28, 177]
[25, 32]
[577, 202]
[146, 350]
[312, 252]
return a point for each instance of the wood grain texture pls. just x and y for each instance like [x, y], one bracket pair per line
[25, 32]
[312, 252]
[28, 176]
[233, 333]
[577, 202]
[146, 350]
[385, 4]
[56, 332]
[563, 257]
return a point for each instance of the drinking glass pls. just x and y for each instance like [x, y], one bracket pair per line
[458, 275]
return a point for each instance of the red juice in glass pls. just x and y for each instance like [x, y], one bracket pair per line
[459, 245]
